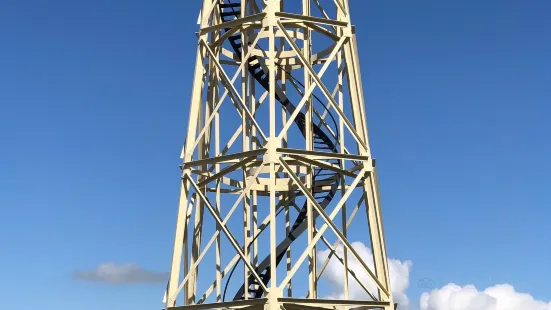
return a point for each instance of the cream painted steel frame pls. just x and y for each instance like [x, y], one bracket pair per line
[290, 170]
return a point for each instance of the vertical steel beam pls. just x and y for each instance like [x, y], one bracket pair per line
[195, 107]
[309, 146]
[340, 66]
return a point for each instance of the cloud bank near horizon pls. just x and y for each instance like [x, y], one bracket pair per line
[127, 273]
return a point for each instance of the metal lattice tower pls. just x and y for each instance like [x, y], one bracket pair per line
[276, 165]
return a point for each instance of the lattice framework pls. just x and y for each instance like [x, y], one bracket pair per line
[255, 162]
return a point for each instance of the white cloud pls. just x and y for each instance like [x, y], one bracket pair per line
[334, 273]
[499, 297]
[121, 274]
[449, 297]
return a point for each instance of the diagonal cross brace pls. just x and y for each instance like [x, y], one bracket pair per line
[219, 104]
[282, 204]
[334, 252]
[352, 216]
[222, 224]
[308, 92]
[234, 94]
[324, 227]
[324, 89]
[329, 221]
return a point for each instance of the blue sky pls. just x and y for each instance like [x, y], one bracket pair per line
[93, 110]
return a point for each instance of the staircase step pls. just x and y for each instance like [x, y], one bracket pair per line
[230, 5]
[230, 14]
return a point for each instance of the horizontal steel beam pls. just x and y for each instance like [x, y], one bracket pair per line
[224, 158]
[333, 302]
[322, 165]
[378, 305]
[233, 23]
[224, 305]
[322, 154]
[286, 302]
[313, 19]
[340, 302]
